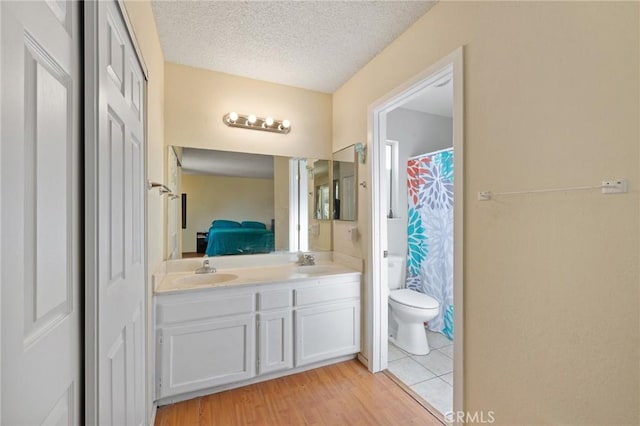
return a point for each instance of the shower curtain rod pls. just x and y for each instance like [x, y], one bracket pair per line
[430, 153]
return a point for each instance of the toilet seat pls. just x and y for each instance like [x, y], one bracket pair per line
[414, 299]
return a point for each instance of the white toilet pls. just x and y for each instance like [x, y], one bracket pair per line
[409, 309]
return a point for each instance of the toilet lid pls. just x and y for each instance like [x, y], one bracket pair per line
[413, 298]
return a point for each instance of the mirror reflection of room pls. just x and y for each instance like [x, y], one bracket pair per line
[241, 203]
[344, 184]
[236, 203]
[319, 191]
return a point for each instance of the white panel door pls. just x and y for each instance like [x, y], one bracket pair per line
[40, 57]
[119, 195]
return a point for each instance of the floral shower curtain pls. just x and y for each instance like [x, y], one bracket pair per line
[430, 233]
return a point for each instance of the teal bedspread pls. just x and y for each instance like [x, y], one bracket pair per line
[226, 241]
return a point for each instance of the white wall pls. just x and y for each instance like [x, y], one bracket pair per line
[221, 197]
[417, 133]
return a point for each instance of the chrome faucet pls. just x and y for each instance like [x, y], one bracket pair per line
[206, 268]
[306, 259]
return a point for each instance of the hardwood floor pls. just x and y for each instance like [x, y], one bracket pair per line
[339, 394]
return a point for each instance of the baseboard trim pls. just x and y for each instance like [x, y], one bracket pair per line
[363, 360]
[154, 411]
[208, 391]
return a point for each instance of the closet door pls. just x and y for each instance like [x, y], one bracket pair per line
[41, 102]
[116, 269]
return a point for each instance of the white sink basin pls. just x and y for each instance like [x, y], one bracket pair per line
[204, 279]
[316, 269]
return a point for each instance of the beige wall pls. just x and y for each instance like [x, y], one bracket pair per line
[146, 34]
[551, 280]
[196, 100]
[221, 197]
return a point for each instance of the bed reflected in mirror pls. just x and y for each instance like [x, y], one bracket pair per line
[240, 203]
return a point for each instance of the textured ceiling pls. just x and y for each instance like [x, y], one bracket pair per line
[316, 45]
[225, 163]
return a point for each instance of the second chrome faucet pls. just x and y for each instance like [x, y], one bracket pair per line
[306, 259]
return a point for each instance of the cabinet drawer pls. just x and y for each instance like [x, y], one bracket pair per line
[208, 307]
[274, 299]
[327, 293]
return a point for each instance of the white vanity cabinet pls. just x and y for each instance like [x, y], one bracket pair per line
[218, 338]
[204, 340]
[275, 331]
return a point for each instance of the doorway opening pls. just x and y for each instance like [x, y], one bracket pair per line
[416, 235]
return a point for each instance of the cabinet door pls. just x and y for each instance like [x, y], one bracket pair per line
[327, 331]
[205, 354]
[275, 341]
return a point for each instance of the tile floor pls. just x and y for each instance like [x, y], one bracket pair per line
[430, 376]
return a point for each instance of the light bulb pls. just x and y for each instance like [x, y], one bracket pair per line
[268, 121]
[286, 124]
[252, 119]
[233, 117]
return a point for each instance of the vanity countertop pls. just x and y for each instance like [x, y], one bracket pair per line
[179, 282]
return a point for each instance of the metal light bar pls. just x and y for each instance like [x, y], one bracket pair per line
[267, 124]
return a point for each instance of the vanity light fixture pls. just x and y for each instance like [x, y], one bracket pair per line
[268, 124]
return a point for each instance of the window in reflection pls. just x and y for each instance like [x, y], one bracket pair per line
[392, 184]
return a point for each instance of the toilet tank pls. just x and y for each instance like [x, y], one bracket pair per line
[396, 272]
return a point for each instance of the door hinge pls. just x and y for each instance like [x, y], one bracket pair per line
[385, 254]
[160, 339]
[160, 382]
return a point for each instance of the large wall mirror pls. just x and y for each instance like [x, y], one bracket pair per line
[319, 198]
[344, 184]
[321, 190]
[240, 203]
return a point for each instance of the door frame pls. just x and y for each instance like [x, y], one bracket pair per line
[90, 85]
[1, 351]
[376, 136]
